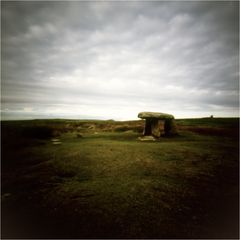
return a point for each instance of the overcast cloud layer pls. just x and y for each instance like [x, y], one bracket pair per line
[114, 59]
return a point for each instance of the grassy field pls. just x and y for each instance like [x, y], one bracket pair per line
[95, 179]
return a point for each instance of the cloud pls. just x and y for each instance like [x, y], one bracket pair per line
[114, 59]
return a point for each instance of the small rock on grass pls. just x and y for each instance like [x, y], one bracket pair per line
[56, 141]
[147, 138]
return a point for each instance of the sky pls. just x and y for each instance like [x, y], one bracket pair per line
[114, 59]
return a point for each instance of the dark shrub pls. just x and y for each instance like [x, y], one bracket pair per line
[138, 129]
[122, 128]
[40, 132]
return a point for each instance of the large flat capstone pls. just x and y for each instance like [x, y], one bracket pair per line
[155, 115]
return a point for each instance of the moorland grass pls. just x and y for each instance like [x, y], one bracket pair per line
[108, 184]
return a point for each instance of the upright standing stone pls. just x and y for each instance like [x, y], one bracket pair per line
[155, 128]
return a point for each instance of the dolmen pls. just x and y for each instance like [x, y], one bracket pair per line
[153, 123]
